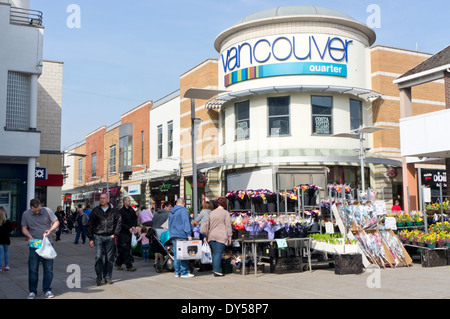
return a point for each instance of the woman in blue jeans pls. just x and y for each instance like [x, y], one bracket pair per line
[218, 232]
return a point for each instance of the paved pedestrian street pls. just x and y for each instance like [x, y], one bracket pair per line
[74, 278]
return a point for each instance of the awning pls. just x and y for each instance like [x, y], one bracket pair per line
[218, 101]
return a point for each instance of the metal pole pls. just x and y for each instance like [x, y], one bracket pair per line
[194, 164]
[442, 208]
[361, 157]
[425, 216]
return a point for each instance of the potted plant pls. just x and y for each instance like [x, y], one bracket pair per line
[430, 240]
[401, 219]
[408, 220]
[418, 221]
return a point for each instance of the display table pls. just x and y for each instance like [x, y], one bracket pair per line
[255, 242]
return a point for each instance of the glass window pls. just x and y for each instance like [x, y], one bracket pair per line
[94, 164]
[279, 115]
[80, 170]
[356, 119]
[112, 159]
[322, 115]
[160, 142]
[242, 114]
[169, 139]
[126, 151]
[18, 101]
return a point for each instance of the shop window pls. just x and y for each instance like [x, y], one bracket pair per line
[322, 115]
[160, 142]
[356, 117]
[170, 139]
[18, 101]
[242, 114]
[279, 115]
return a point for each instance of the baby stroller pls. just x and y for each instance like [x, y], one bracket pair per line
[163, 245]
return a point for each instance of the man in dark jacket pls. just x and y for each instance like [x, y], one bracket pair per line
[129, 223]
[104, 224]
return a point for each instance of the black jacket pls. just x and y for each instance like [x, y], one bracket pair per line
[129, 219]
[104, 223]
[5, 230]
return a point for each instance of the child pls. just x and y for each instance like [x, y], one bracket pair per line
[145, 243]
[5, 230]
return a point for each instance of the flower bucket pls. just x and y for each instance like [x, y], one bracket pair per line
[431, 246]
[409, 224]
[418, 223]
[400, 224]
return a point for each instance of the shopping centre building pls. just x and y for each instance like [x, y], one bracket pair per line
[291, 80]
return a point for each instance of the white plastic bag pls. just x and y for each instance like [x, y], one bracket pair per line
[133, 241]
[46, 251]
[206, 254]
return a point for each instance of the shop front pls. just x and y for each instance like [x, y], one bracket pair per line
[164, 190]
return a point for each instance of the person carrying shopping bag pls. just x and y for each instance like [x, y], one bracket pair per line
[218, 233]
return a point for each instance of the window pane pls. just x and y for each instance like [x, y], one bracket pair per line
[18, 101]
[279, 125]
[355, 114]
[321, 105]
[322, 124]
[279, 115]
[242, 110]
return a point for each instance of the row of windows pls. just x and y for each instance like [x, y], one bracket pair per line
[279, 116]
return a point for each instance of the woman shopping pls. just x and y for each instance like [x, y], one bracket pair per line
[218, 232]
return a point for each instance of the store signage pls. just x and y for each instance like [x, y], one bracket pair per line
[134, 189]
[306, 55]
[40, 173]
[434, 178]
[165, 188]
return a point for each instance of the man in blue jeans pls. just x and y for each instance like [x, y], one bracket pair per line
[103, 227]
[38, 222]
[179, 230]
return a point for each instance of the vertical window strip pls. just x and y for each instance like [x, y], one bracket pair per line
[18, 101]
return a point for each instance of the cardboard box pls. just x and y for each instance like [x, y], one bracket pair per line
[189, 249]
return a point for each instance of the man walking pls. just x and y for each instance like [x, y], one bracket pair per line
[104, 224]
[39, 222]
[179, 230]
[61, 217]
[129, 222]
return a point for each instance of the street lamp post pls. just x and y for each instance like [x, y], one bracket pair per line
[362, 151]
[192, 94]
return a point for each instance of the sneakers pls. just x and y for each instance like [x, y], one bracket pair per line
[131, 269]
[187, 276]
[118, 267]
[99, 281]
[108, 281]
[32, 295]
[7, 268]
[49, 295]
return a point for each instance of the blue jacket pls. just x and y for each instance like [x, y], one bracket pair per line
[179, 223]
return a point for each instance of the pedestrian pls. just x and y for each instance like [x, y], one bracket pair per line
[218, 232]
[69, 220]
[202, 217]
[103, 226]
[87, 210]
[180, 230]
[145, 217]
[129, 223]
[61, 216]
[81, 222]
[39, 222]
[396, 207]
[5, 231]
[159, 218]
[145, 243]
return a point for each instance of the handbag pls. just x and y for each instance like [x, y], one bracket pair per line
[206, 254]
[46, 250]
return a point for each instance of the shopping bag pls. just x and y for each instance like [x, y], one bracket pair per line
[206, 254]
[133, 241]
[46, 251]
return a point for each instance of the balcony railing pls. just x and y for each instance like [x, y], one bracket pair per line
[25, 16]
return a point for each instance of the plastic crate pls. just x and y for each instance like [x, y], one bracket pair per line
[286, 265]
[348, 264]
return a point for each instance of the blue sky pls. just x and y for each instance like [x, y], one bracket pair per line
[127, 52]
